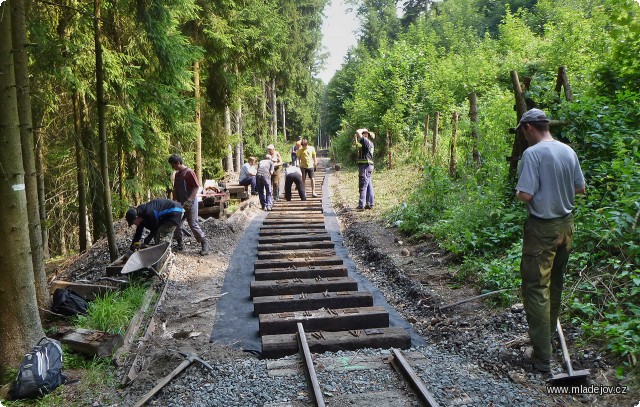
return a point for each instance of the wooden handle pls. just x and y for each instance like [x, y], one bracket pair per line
[163, 383]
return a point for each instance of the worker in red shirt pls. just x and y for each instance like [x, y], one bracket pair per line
[185, 188]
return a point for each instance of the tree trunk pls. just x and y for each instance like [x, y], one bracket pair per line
[122, 169]
[20, 326]
[227, 127]
[95, 183]
[274, 112]
[82, 192]
[41, 194]
[102, 133]
[473, 115]
[284, 120]
[238, 131]
[196, 81]
[436, 124]
[21, 67]
[263, 127]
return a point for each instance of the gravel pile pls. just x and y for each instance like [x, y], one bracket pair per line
[246, 382]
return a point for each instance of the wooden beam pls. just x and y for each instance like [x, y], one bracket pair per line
[274, 346]
[297, 246]
[296, 262]
[293, 229]
[289, 237]
[312, 301]
[304, 272]
[91, 342]
[298, 285]
[342, 319]
[293, 252]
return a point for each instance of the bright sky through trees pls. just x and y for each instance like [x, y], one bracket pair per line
[337, 36]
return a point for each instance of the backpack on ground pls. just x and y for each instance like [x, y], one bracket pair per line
[69, 303]
[40, 371]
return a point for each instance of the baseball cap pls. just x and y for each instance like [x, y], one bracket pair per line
[271, 147]
[533, 116]
[131, 215]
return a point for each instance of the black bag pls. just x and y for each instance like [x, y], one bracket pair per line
[40, 371]
[69, 303]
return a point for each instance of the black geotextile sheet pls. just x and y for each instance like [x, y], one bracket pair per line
[235, 325]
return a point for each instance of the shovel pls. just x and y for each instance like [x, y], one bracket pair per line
[571, 375]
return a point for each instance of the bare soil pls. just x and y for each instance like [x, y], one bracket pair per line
[416, 277]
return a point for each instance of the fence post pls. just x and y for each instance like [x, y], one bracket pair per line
[563, 81]
[473, 115]
[436, 122]
[454, 141]
[519, 143]
[389, 164]
[426, 133]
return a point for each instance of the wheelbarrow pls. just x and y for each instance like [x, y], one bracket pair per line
[147, 259]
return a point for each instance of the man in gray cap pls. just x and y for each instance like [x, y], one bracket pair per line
[549, 178]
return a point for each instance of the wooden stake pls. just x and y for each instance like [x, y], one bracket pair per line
[390, 163]
[436, 122]
[473, 115]
[520, 143]
[454, 141]
[563, 81]
[426, 132]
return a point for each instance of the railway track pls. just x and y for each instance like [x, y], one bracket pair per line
[300, 279]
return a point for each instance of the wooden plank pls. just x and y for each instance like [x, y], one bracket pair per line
[92, 343]
[303, 302]
[295, 262]
[342, 319]
[287, 238]
[276, 232]
[296, 209]
[295, 215]
[134, 327]
[275, 346]
[298, 285]
[284, 229]
[269, 247]
[286, 254]
[88, 291]
[303, 272]
[299, 222]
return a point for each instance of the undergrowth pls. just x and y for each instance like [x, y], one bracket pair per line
[113, 311]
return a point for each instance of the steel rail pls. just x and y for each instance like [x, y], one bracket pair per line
[401, 365]
[309, 370]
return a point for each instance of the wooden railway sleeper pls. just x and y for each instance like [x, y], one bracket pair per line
[326, 293]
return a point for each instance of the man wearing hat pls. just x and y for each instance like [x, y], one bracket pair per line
[362, 140]
[263, 182]
[160, 216]
[549, 178]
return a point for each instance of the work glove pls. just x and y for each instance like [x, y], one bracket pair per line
[187, 205]
[135, 246]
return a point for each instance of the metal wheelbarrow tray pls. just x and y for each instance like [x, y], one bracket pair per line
[150, 258]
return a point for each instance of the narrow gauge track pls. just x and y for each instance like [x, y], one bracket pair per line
[300, 279]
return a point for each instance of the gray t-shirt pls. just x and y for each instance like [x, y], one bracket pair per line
[265, 168]
[550, 171]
